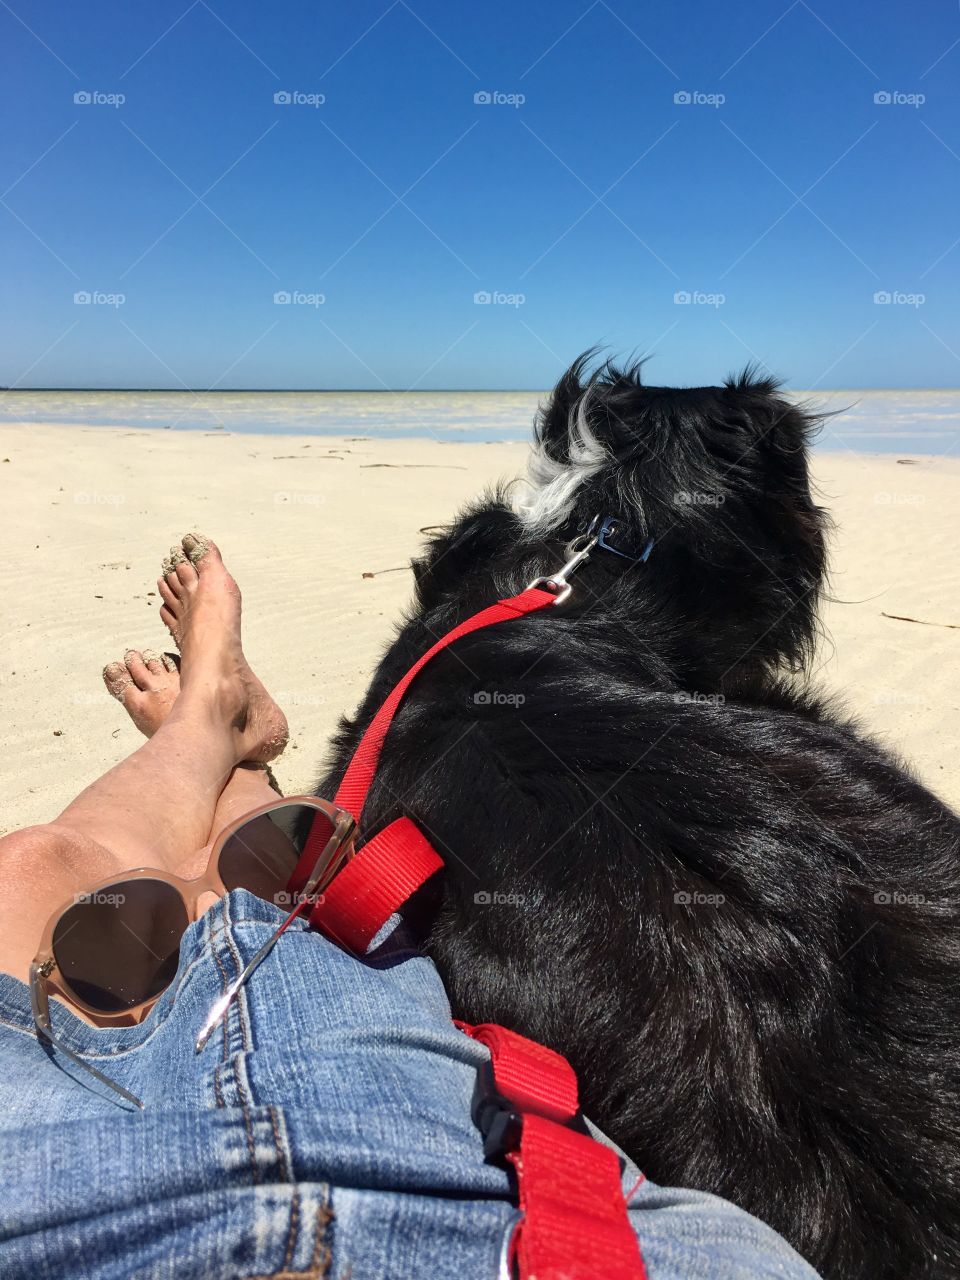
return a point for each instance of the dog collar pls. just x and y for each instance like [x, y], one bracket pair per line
[608, 528]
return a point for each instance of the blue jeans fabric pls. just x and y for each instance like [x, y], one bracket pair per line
[324, 1131]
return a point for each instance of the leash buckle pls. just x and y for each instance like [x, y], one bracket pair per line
[576, 551]
[526, 1104]
[499, 1121]
[600, 533]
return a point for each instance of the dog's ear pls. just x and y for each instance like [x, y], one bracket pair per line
[769, 517]
[592, 414]
[781, 427]
[555, 426]
[582, 429]
[781, 433]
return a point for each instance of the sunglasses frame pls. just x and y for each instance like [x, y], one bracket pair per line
[45, 975]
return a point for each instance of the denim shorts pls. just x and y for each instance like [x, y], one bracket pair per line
[324, 1131]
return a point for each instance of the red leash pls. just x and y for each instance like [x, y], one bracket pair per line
[352, 792]
[399, 859]
[574, 1223]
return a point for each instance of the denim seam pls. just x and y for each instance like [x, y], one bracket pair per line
[218, 1088]
[283, 1153]
[248, 1125]
[226, 1074]
[293, 1229]
[283, 1157]
[322, 1254]
[214, 940]
[241, 1000]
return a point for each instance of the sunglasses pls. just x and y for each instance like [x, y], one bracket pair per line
[113, 950]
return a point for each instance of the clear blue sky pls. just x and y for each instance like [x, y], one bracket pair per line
[598, 199]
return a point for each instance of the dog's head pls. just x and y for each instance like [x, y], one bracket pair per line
[716, 477]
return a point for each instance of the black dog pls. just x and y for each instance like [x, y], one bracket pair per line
[734, 914]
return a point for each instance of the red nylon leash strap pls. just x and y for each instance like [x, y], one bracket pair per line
[575, 1223]
[352, 792]
[399, 859]
[387, 871]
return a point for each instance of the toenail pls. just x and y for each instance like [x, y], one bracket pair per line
[177, 556]
[167, 567]
[116, 688]
[200, 546]
[150, 655]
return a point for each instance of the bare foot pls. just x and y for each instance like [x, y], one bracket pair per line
[147, 684]
[201, 608]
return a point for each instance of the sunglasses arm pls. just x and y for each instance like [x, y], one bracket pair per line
[223, 1004]
[41, 1016]
[327, 866]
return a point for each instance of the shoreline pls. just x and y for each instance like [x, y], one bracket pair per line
[457, 435]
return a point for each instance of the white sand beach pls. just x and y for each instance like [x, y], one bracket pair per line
[89, 513]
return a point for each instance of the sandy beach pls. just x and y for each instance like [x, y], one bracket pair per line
[89, 514]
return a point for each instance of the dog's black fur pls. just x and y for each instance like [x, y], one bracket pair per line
[790, 1038]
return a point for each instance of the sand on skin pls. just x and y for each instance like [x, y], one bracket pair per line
[90, 513]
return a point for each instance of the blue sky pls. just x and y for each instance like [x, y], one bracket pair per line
[776, 195]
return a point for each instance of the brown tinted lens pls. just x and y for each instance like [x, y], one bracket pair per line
[119, 947]
[264, 853]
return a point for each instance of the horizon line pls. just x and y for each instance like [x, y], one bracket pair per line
[395, 391]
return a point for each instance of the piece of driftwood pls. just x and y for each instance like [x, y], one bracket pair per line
[900, 617]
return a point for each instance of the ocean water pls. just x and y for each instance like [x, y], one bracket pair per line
[923, 422]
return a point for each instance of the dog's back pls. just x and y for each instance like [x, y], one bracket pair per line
[732, 913]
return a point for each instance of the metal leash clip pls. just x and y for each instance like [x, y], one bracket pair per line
[577, 551]
[607, 528]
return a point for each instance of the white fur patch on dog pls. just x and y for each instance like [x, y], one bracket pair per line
[553, 484]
